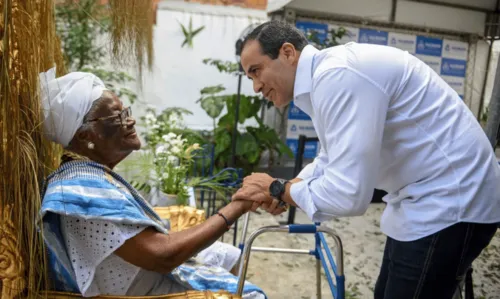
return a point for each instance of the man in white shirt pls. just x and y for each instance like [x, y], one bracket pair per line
[385, 120]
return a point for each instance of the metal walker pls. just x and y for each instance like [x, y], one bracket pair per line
[322, 258]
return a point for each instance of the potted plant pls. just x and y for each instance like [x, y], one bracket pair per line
[161, 171]
[173, 158]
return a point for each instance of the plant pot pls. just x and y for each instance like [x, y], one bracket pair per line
[160, 199]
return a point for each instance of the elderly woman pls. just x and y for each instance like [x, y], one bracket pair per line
[102, 237]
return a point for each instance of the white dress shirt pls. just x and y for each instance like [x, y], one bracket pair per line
[386, 120]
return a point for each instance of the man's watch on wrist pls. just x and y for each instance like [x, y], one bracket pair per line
[277, 189]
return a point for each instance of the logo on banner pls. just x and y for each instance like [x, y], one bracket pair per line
[292, 144]
[296, 113]
[364, 38]
[446, 67]
[293, 128]
[393, 41]
[429, 46]
[447, 48]
[421, 45]
[453, 67]
[455, 84]
[369, 36]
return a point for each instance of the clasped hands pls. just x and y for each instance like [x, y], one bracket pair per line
[255, 188]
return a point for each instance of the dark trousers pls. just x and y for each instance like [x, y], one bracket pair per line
[433, 266]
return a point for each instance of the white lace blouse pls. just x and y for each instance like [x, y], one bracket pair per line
[91, 245]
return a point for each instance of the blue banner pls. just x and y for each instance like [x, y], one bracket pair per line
[310, 150]
[453, 67]
[429, 46]
[308, 27]
[295, 113]
[369, 36]
[448, 58]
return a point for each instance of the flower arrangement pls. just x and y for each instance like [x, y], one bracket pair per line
[173, 158]
[171, 149]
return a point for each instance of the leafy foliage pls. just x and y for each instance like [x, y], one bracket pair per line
[251, 143]
[189, 33]
[228, 67]
[82, 26]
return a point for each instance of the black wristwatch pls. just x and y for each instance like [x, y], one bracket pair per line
[277, 188]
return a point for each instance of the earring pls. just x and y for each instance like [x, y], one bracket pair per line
[90, 145]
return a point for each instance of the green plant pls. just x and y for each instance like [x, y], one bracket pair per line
[167, 159]
[189, 33]
[251, 143]
[82, 27]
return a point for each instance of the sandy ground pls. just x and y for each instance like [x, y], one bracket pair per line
[294, 276]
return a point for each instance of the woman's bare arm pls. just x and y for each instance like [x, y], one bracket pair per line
[154, 251]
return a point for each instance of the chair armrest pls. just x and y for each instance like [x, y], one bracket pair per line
[185, 295]
[181, 217]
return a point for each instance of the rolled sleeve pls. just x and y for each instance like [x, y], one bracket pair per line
[315, 166]
[351, 110]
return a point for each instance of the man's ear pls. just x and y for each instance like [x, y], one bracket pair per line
[288, 52]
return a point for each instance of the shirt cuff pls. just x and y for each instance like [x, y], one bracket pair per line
[302, 196]
[307, 172]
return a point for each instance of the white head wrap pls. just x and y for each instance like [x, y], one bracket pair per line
[66, 100]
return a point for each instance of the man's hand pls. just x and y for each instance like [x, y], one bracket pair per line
[256, 188]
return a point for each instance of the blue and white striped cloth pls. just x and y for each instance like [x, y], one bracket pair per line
[92, 191]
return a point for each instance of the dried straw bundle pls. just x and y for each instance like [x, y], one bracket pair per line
[132, 31]
[29, 45]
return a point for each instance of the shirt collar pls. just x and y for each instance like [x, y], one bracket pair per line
[303, 76]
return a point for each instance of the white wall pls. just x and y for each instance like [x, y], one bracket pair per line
[485, 4]
[371, 9]
[480, 67]
[491, 74]
[178, 74]
[436, 16]
[407, 12]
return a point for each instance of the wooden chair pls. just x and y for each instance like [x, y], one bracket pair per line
[12, 268]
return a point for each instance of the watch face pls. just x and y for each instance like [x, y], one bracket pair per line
[276, 189]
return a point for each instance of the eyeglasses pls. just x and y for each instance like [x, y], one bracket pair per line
[123, 116]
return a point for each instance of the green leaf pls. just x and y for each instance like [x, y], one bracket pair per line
[223, 143]
[223, 66]
[198, 30]
[213, 105]
[248, 146]
[176, 110]
[184, 30]
[226, 121]
[283, 149]
[213, 89]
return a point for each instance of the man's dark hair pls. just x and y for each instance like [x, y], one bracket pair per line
[273, 34]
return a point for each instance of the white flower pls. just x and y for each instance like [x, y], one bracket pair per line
[164, 175]
[173, 160]
[168, 137]
[196, 146]
[176, 142]
[155, 126]
[175, 149]
[161, 150]
[150, 119]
